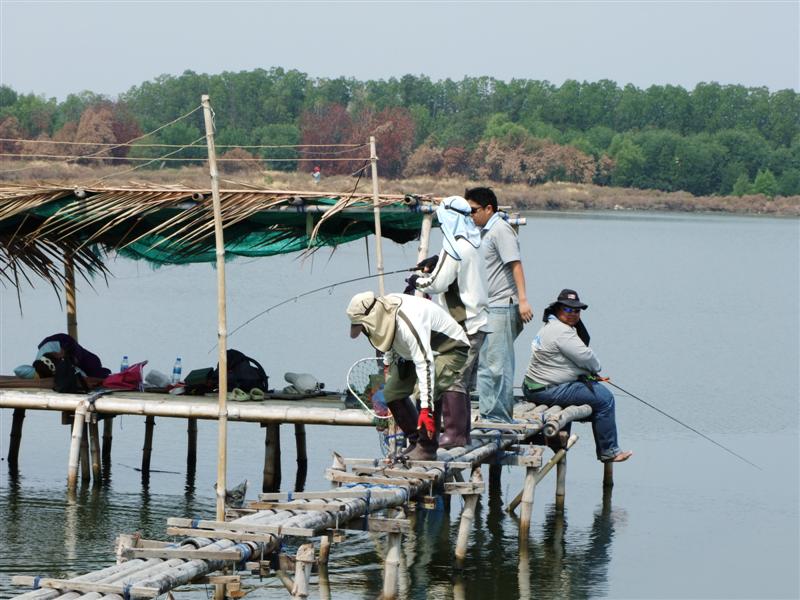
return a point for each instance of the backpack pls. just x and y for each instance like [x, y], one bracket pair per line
[244, 373]
[66, 378]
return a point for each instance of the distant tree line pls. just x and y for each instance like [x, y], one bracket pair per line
[714, 139]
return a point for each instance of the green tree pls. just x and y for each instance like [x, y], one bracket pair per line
[742, 186]
[765, 183]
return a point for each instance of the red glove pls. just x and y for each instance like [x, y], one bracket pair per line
[425, 422]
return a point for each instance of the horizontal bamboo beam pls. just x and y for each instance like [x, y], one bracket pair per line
[86, 586]
[163, 405]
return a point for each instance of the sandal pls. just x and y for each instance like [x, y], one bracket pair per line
[257, 394]
[238, 395]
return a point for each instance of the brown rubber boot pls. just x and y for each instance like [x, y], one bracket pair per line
[455, 414]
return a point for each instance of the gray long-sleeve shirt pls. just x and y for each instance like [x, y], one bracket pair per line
[558, 355]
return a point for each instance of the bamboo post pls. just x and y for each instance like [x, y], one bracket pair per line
[191, 451]
[302, 573]
[524, 570]
[526, 505]
[75, 445]
[373, 157]
[391, 565]
[108, 436]
[70, 295]
[561, 482]
[495, 476]
[94, 438]
[15, 438]
[302, 457]
[608, 474]
[86, 473]
[149, 424]
[272, 459]
[222, 323]
[467, 517]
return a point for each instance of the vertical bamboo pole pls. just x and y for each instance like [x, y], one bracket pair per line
[526, 505]
[561, 482]
[272, 459]
[222, 323]
[75, 445]
[191, 451]
[108, 437]
[302, 457]
[608, 474]
[94, 438]
[70, 295]
[373, 157]
[467, 517]
[302, 572]
[391, 565]
[425, 236]
[86, 473]
[15, 438]
[147, 451]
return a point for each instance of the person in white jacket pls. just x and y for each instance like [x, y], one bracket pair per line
[562, 370]
[458, 283]
[423, 346]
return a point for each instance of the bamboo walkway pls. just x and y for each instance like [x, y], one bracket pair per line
[372, 495]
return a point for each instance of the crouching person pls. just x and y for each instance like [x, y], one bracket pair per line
[423, 346]
[561, 373]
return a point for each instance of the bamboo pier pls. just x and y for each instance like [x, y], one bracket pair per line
[371, 494]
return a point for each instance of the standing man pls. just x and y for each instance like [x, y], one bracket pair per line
[508, 306]
[459, 282]
[423, 346]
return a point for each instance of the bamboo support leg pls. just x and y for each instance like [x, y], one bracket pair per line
[495, 476]
[324, 550]
[608, 475]
[526, 505]
[108, 436]
[524, 570]
[302, 573]
[149, 424]
[302, 457]
[391, 566]
[86, 472]
[561, 482]
[272, 459]
[191, 448]
[75, 446]
[15, 438]
[94, 439]
[467, 518]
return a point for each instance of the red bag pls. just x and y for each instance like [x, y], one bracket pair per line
[129, 379]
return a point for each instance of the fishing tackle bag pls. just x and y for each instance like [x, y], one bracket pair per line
[66, 377]
[244, 373]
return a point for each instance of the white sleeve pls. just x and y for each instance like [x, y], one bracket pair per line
[422, 355]
[442, 276]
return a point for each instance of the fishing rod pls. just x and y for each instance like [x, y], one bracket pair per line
[314, 291]
[689, 427]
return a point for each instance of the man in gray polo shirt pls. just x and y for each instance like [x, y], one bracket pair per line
[508, 306]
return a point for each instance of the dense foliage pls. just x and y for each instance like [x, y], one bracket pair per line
[714, 139]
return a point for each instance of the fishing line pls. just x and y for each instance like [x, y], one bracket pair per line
[308, 293]
[689, 427]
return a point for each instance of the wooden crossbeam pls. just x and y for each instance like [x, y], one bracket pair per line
[378, 525]
[86, 587]
[184, 553]
[316, 506]
[333, 494]
[342, 477]
[464, 487]
[388, 472]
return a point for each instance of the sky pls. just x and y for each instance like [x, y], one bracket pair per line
[60, 47]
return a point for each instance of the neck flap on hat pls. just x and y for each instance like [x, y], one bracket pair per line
[377, 315]
[455, 221]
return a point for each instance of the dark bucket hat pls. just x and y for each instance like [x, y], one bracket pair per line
[570, 298]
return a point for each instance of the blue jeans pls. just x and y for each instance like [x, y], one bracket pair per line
[496, 364]
[575, 393]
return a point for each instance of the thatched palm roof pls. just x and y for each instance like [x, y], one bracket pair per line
[39, 226]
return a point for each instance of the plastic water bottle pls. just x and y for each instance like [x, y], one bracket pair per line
[176, 371]
[124, 364]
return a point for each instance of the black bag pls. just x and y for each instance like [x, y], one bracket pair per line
[200, 381]
[244, 373]
[66, 378]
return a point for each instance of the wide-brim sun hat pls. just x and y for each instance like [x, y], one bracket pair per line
[571, 299]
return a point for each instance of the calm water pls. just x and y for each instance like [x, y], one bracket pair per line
[696, 314]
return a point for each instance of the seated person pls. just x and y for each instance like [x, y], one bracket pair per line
[59, 346]
[561, 368]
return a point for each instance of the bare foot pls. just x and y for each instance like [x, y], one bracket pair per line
[621, 457]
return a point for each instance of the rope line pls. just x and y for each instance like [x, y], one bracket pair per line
[128, 143]
[73, 157]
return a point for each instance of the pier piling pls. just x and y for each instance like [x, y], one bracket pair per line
[147, 450]
[108, 436]
[272, 459]
[302, 457]
[15, 438]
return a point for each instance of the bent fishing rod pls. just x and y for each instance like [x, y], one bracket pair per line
[330, 286]
[689, 427]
